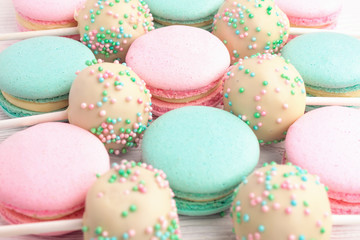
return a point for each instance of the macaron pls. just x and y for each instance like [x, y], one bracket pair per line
[281, 202]
[198, 13]
[109, 27]
[181, 66]
[205, 153]
[328, 63]
[112, 102]
[46, 171]
[37, 74]
[250, 27]
[131, 201]
[311, 14]
[267, 93]
[326, 142]
[43, 15]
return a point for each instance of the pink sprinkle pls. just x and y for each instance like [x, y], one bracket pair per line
[258, 199]
[260, 124]
[131, 232]
[307, 211]
[291, 237]
[260, 180]
[253, 202]
[140, 100]
[83, 105]
[326, 215]
[265, 208]
[238, 208]
[128, 98]
[257, 236]
[105, 233]
[92, 71]
[285, 106]
[100, 194]
[244, 117]
[318, 223]
[263, 113]
[135, 126]
[228, 90]
[91, 106]
[277, 90]
[279, 120]
[276, 206]
[288, 210]
[252, 195]
[258, 108]
[118, 87]
[149, 230]
[266, 193]
[263, 92]
[257, 98]
[133, 178]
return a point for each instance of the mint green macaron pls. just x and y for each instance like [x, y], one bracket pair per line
[199, 13]
[205, 153]
[38, 72]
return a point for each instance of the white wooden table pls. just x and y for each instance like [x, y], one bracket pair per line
[212, 227]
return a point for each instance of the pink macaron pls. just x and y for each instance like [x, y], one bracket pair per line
[46, 171]
[45, 14]
[181, 66]
[326, 141]
[311, 13]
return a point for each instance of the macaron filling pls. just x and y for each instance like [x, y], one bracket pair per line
[44, 105]
[33, 24]
[184, 96]
[353, 91]
[192, 23]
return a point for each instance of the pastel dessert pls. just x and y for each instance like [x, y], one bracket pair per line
[198, 13]
[46, 171]
[326, 142]
[328, 63]
[37, 74]
[267, 93]
[281, 202]
[181, 66]
[205, 152]
[250, 27]
[45, 14]
[311, 14]
[131, 201]
[112, 102]
[109, 27]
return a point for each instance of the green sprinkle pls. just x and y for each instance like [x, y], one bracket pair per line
[124, 213]
[132, 208]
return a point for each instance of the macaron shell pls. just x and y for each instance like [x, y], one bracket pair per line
[184, 11]
[48, 10]
[190, 147]
[42, 180]
[309, 12]
[48, 67]
[178, 58]
[328, 62]
[326, 142]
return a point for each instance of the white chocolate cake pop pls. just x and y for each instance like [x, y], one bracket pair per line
[282, 202]
[247, 27]
[112, 102]
[131, 201]
[266, 92]
[108, 27]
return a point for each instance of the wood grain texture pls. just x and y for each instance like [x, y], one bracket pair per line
[212, 227]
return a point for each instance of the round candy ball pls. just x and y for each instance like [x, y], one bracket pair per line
[112, 102]
[266, 92]
[250, 27]
[281, 202]
[108, 27]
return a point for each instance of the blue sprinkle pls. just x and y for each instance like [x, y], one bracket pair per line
[125, 236]
[246, 218]
[250, 47]
[255, 128]
[99, 104]
[293, 203]
[237, 32]
[263, 203]
[102, 29]
[241, 67]
[261, 228]
[226, 95]
[268, 178]
[252, 74]
[301, 237]
[105, 99]
[238, 203]
[304, 178]
[230, 103]
[253, 39]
